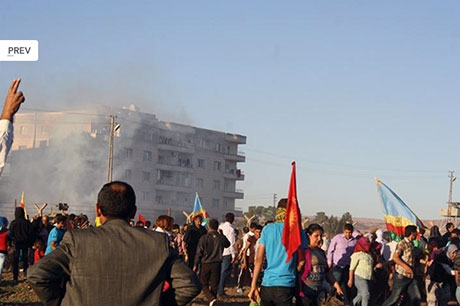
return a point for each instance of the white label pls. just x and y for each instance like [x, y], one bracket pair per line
[19, 50]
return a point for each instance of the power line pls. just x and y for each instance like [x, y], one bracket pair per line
[342, 165]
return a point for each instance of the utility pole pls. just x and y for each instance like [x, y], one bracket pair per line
[274, 200]
[35, 131]
[452, 180]
[113, 128]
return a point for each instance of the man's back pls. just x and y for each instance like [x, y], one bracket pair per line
[210, 248]
[278, 272]
[113, 265]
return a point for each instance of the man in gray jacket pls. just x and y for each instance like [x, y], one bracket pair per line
[113, 264]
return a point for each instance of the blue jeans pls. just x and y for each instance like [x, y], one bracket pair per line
[225, 270]
[363, 286]
[341, 276]
[399, 284]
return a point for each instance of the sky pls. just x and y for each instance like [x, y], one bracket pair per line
[350, 90]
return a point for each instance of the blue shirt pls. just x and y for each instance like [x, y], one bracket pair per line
[56, 236]
[278, 272]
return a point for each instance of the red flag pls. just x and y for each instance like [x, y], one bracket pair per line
[141, 218]
[291, 238]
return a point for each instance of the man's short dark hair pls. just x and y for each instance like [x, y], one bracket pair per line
[245, 229]
[60, 218]
[213, 224]
[282, 203]
[259, 227]
[410, 229]
[456, 231]
[229, 217]
[449, 225]
[117, 200]
[253, 225]
[348, 227]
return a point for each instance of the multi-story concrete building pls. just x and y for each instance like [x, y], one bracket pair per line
[56, 154]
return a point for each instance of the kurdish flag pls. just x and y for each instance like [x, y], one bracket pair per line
[291, 238]
[198, 210]
[397, 214]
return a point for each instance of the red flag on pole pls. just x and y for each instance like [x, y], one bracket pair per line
[291, 238]
[141, 218]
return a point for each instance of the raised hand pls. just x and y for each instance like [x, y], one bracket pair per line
[13, 101]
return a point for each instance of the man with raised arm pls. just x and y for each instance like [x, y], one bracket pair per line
[12, 103]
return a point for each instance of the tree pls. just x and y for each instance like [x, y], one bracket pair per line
[332, 224]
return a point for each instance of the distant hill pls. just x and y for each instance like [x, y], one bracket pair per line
[367, 224]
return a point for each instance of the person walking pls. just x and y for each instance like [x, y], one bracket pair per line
[279, 276]
[21, 232]
[56, 234]
[192, 237]
[209, 255]
[361, 268]
[339, 257]
[229, 254]
[403, 278]
[316, 271]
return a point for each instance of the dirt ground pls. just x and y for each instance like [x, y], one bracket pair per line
[22, 294]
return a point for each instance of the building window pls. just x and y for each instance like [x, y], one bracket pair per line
[22, 130]
[146, 196]
[218, 147]
[146, 176]
[201, 163]
[127, 174]
[216, 185]
[147, 156]
[215, 203]
[217, 165]
[199, 183]
[129, 153]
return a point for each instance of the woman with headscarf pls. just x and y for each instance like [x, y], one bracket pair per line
[361, 268]
[315, 270]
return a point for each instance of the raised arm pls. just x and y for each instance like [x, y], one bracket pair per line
[12, 103]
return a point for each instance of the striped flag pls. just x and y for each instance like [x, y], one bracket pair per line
[397, 214]
[198, 210]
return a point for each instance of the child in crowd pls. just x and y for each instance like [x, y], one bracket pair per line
[39, 250]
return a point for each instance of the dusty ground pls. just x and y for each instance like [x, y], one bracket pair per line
[21, 294]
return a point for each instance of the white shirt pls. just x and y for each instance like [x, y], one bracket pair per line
[245, 242]
[6, 140]
[229, 232]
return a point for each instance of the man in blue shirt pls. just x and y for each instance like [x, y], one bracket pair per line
[56, 234]
[279, 277]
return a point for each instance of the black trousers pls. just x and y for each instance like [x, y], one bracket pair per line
[276, 296]
[20, 252]
[209, 277]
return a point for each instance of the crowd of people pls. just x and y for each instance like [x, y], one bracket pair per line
[120, 262]
[357, 268]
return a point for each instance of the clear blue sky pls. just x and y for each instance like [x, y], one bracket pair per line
[350, 90]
